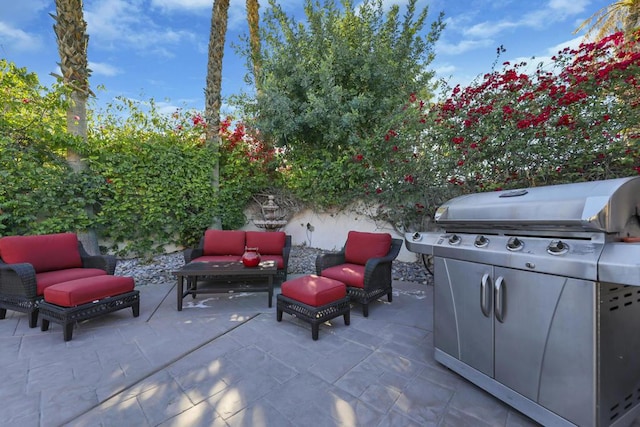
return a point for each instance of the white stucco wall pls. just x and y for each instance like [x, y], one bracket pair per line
[329, 231]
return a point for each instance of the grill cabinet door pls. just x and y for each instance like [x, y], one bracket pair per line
[545, 344]
[461, 329]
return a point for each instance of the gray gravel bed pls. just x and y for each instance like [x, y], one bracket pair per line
[301, 261]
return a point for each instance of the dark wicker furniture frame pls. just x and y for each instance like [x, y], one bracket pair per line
[68, 316]
[377, 275]
[18, 291]
[313, 315]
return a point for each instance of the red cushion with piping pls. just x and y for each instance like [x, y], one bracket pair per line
[82, 291]
[50, 278]
[349, 274]
[267, 242]
[362, 246]
[224, 242]
[314, 290]
[45, 252]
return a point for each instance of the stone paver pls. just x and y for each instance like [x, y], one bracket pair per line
[226, 361]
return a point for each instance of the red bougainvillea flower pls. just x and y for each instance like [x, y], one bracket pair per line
[198, 120]
[358, 157]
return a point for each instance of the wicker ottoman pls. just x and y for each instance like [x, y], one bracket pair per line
[314, 299]
[81, 299]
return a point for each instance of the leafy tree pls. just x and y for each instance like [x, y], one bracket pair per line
[328, 83]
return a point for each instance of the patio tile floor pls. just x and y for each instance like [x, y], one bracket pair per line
[225, 361]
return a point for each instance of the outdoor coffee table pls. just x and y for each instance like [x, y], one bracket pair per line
[226, 276]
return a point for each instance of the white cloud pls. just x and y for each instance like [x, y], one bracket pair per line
[571, 44]
[568, 7]
[100, 68]
[181, 5]
[445, 48]
[489, 29]
[18, 40]
[445, 70]
[553, 11]
[237, 13]
[21, 11]
[117, 23]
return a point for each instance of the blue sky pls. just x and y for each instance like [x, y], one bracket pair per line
[157, 49]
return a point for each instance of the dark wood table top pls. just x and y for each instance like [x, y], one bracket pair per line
[226, 268]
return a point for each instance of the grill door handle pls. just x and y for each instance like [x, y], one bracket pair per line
[500, 300]
[485, 295]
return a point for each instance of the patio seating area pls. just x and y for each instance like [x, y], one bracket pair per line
[225, 360]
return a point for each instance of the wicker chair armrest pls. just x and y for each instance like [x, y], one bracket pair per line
[329, 259]
[286, 251]
[102, 262]
[18, 279]
[377, 271]
[192, 253]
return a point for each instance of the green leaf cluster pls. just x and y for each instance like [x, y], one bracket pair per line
[148, 176]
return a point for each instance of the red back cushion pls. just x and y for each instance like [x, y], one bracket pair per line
[46, 252]
[224, 242]
[267, 242]
[362, 246]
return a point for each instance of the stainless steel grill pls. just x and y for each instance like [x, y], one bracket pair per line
[537, 298]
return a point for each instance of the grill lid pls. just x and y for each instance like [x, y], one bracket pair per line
[610, 206]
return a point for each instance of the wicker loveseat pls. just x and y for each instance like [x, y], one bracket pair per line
[229, 245]
[30, 264]
[364, 265]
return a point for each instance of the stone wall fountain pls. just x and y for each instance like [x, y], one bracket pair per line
[272, 216]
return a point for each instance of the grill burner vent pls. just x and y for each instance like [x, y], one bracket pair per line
[620, 297]
[620, 408]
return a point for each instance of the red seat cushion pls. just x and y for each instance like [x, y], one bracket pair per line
[267, 242]
[224, 242]
[349, 274]
[82, 291]
[45, 252]
[50, 278]
[362, 246]
[314, 290]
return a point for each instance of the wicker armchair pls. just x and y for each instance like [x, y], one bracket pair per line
[19, 281]
[364, 265]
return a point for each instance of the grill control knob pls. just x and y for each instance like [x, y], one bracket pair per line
[514, 244]
[557, 247]
[481, 242]
[454, 239]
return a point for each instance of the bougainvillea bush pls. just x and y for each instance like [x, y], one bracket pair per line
[574, 119]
